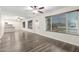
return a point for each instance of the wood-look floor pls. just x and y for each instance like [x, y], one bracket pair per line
[21, 41]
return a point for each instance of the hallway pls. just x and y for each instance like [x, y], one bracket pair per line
[29, 42]
[42, 29]
[39, 29]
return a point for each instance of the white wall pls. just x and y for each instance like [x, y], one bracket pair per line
[0, 25]
[26, 26]
[16, 24]
[11, 20]
[0, 28]
[40, 28]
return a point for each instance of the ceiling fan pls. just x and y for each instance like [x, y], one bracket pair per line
[37, 9]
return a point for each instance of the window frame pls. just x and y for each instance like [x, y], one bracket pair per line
[76, 33]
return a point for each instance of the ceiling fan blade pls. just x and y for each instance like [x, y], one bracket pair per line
[31, 6]
[41, 8]
[40, 11]
[34, 7]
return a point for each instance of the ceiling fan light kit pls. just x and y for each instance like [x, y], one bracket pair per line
[36, 9]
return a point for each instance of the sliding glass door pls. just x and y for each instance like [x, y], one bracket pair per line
[59, 23]
[72, 19]
[63, 23]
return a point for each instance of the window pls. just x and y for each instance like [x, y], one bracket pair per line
[59, 23]
[30, 24]
[63, 23]
[23, 24]
[72, 22]
[48, 23]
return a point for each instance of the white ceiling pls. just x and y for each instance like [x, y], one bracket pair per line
[21, 10]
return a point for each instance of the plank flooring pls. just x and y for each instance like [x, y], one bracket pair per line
[21, 41]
